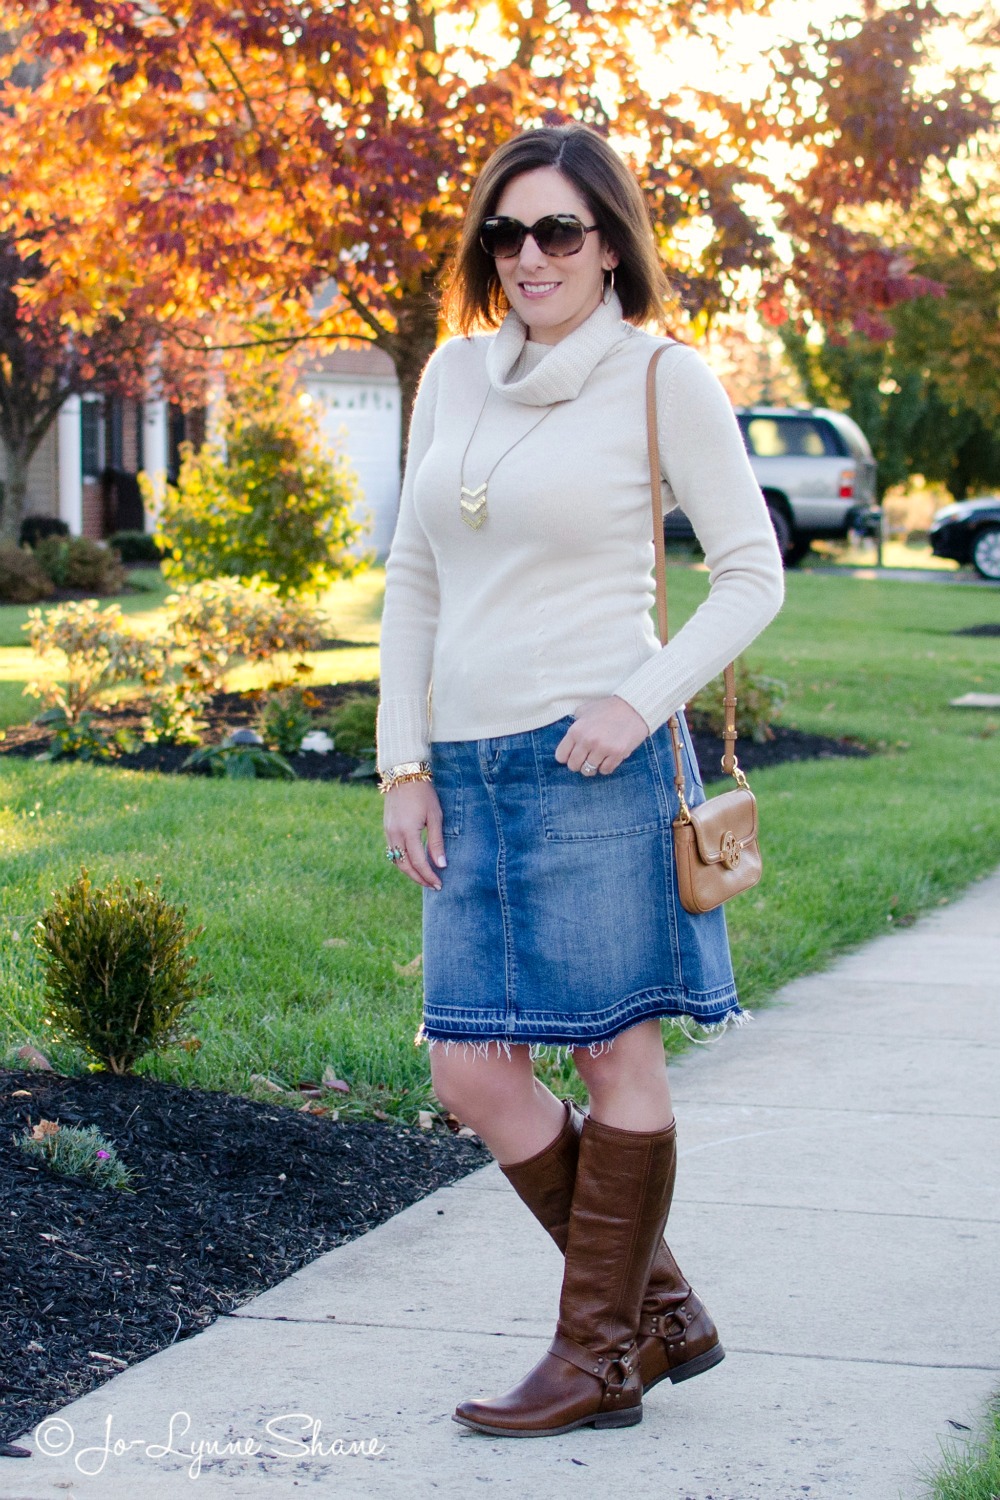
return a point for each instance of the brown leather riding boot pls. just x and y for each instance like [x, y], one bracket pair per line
[590, 1373]
[677, 1338]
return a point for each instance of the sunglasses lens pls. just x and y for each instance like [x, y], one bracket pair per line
[559, 234]
[502, 237]
[555, 234]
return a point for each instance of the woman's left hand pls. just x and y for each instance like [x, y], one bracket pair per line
[603, 734]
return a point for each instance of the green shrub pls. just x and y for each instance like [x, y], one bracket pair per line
[759, 701]
[52, 556]
[33, 528]
[82, 738]
[352, 725]
[76, 562]
[241, 761]
[98, 652]
[284, 720]
[135, 546]
[267, 501]
[76, 1151]
[118, 974]
[94, 566]
[173, 716]
[22, 581]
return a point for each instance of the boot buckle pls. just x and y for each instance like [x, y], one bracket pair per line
[625, 1365]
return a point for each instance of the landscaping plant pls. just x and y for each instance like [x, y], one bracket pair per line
[215, 622]
[82, 738]
[135, 546]
[209, 626]
[76, 562]
[266, 501]
[173, 715]
[22, 580]
[76, 1151]
[33, 528]
[285, 719]
[241, 760]
[98, 652]
[352, 725]
[118, 972]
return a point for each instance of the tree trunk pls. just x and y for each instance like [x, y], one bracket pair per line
[15, 489]
[411, 346]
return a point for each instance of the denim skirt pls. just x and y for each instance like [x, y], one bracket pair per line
[558, 923]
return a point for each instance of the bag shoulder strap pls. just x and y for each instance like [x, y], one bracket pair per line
[729, 761]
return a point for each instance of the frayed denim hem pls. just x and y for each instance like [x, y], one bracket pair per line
[700, 1032]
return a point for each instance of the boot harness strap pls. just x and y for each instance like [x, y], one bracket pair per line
[670, 1325]
[600, 1365]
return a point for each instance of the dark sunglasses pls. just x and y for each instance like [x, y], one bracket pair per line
[555, 234]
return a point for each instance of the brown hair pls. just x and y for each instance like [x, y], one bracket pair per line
[474, 295]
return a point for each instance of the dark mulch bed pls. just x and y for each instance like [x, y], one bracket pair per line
[787, 745]
[233, 1196]
[226, 711]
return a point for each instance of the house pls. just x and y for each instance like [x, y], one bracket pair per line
[84, 471]
[358, 402]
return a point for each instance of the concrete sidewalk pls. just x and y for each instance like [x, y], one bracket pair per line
[837, 1206]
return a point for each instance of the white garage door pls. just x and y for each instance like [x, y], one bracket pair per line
[360, 418]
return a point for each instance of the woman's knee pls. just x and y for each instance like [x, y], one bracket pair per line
[636, 1059]
[603, 1071]
[471, 1085]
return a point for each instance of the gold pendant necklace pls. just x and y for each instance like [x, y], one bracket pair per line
[474, 506]
[473, 503]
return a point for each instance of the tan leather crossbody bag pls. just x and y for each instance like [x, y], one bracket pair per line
[716, 853]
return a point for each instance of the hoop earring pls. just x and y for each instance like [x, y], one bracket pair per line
[609, 288]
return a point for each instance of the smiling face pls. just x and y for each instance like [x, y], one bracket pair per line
[552, 293]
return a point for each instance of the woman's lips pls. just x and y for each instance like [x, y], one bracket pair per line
[532, 289]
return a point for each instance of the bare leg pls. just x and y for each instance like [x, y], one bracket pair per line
[628, 1085]
[499, 1097]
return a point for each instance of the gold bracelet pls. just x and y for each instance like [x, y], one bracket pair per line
[411, 770]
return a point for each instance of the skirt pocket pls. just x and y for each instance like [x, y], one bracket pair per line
[447, 780]
[629, 801]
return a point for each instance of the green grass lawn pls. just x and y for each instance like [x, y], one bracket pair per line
[308, 927]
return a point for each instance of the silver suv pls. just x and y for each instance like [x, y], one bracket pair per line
[815, 469]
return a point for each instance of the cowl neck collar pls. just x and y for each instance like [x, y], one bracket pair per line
[560, 374]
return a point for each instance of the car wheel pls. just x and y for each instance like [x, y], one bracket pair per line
[986, 553]
[782, 530]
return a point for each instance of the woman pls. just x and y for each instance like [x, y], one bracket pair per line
[517, 597]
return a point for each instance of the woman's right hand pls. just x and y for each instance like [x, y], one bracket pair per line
[409, 809]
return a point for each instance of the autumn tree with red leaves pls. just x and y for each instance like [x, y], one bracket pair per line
[870, 137]
[187, 168]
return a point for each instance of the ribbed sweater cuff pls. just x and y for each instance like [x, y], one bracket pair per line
[651, 694]
[403, 732]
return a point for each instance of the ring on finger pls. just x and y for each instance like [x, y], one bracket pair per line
[395, 853]
[587, 769]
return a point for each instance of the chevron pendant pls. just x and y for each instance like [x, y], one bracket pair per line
[474, 506]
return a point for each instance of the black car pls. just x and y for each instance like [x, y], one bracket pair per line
[969, 532]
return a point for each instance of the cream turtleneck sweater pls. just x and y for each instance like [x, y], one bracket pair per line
[546, 606]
